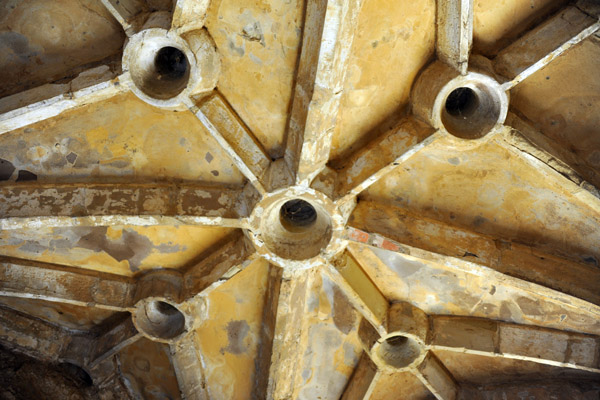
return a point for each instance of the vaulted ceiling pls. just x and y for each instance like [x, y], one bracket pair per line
[320, 199]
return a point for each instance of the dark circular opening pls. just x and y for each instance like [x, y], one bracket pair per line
[471, 112]
[298, 213]
[171, 64]
[79, 374]
[461, 102]
[160, 71]
[166, 308]
[160, 319]
[294, 228]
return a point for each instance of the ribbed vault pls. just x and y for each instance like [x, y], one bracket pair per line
[341, 199]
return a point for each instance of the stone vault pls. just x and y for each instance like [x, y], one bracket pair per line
[320, 199]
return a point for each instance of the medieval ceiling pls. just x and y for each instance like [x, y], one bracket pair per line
[320, 199]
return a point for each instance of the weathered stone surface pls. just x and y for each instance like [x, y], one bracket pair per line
[300, 199]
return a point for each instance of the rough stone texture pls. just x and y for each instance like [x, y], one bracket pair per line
[41, 43]
[534, 391]
[453, 254]
[24, 378]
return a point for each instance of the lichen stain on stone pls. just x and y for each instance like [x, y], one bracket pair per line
[71, 157]
[464, 298]
[47, 41]
[321, 375]
[351, 354]
[236, 333]
[118, 138]
[505, 312]
[344, 316]
[131, 246]
[231, 375]
[529, 307]
[172, 247]
[31, 246]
